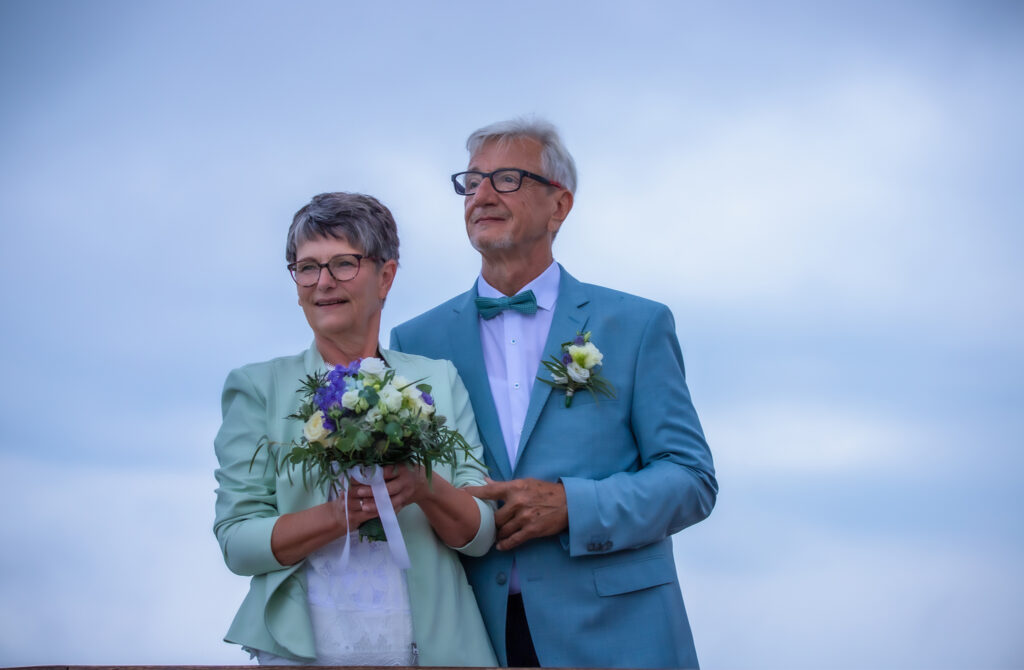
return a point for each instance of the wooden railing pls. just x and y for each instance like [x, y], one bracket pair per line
[242, 667]
[223, 667]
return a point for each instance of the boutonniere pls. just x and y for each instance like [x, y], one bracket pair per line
[578, 369]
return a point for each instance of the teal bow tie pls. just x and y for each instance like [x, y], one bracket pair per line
[524, 303]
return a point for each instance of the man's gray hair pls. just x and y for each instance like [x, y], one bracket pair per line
[361, 220]
[555, 160]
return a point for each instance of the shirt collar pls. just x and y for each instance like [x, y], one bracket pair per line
[544, 287]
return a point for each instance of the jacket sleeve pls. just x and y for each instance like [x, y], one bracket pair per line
[469, 471]
[246, 508]
[674, 486]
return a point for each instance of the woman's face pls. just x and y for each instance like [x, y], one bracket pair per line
[347, 309]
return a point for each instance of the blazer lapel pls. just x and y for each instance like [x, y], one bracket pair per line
[570, 316]
[468, 355]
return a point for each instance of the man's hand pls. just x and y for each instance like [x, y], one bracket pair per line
[533, 508]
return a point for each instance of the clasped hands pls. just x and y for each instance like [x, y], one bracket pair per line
[532, 508]
[406, 483]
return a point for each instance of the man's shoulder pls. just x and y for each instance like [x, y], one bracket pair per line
[610, 298]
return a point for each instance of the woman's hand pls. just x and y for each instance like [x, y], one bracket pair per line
[406, 484]
[452, 512]
[358, 510]
[299, 534]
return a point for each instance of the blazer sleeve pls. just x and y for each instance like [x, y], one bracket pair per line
[469, 470]
[246, 508]
[674, 486]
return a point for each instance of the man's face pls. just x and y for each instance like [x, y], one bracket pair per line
[523, 222]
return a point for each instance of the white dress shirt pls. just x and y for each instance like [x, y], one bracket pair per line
[513, 345]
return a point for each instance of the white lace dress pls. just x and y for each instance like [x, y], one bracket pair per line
[360, 613]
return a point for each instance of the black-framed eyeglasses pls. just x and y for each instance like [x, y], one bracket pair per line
[342, 267]
[503, 180]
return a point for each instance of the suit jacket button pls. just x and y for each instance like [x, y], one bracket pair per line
[591, 546]
[501, 578]
[607, 545]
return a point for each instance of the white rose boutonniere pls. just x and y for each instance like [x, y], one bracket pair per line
[578, 369]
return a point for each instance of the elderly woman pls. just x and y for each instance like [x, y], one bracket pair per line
[305, 605]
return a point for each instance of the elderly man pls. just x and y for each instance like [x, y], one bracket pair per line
[590, 487]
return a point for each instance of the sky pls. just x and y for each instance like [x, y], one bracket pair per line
[827, 196]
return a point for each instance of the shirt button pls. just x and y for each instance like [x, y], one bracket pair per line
[516, 385]
[513, 340]
[502, 578]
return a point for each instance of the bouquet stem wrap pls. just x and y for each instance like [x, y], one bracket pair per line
[373, 476]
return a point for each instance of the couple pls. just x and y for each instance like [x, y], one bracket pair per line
[559, 552]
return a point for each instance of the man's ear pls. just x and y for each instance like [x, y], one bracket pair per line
[562, 208]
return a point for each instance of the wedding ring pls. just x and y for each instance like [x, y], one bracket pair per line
[360, 504]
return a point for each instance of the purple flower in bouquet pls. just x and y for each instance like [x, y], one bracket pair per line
[329, 396]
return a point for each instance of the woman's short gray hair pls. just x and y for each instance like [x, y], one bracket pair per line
[555, 160]
[361, 220]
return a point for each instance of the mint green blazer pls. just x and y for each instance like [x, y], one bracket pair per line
[274, 616]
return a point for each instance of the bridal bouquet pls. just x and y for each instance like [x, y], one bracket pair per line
[362, 416]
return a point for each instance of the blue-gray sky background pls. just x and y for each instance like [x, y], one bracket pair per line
[826, 195]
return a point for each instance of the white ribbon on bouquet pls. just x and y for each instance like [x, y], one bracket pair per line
[373, 476]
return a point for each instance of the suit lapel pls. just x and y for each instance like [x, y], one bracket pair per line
[570, 316]
[468, 355]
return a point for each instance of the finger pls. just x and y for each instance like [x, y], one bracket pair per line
[490, 491]
[504, 514]
[514, 540]
[507, 524]
[399, 486]
[351, 506]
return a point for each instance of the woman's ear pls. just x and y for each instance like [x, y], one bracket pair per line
[387, 273]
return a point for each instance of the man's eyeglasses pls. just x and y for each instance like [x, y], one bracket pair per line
[343, 268]
[505, 180]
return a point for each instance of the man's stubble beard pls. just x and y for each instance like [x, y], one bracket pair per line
[502, 243]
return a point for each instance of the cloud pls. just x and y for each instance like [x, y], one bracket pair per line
[827, 198]
[781, 436]
[108, 565]
[817, 598]
[828, 201]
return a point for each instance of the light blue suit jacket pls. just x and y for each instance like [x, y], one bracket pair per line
[275, 616]
[636, 469]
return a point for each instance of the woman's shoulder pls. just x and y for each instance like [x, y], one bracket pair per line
[292, 366]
